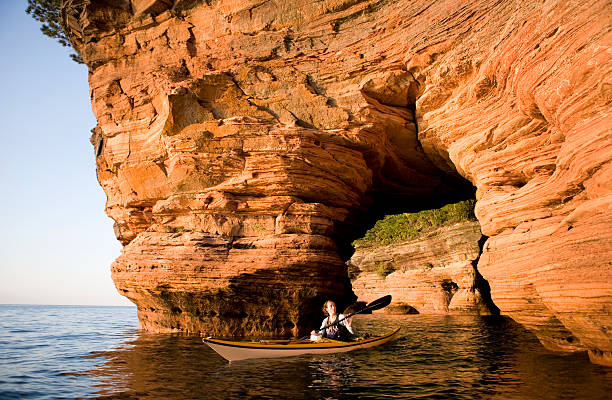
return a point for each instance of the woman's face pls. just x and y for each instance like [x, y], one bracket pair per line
[331, 308]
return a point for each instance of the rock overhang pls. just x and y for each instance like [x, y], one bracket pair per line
[212, 114]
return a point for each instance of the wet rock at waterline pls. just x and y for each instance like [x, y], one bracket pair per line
[243, 146]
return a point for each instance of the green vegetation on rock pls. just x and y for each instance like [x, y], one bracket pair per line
[178, 229]
[47, 12]
[399, 227]
[383, 269]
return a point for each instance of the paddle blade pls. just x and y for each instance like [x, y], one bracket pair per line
[379, 303]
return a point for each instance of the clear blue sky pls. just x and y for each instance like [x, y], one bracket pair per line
[56, 242]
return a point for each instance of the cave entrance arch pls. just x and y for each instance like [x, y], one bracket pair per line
[408, 178]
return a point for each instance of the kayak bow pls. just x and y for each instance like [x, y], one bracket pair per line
[234, 351]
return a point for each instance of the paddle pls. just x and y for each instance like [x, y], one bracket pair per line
[375, 305]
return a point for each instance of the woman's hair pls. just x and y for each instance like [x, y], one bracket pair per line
[325, 307]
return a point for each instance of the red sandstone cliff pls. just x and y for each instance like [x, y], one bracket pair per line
[243, 145]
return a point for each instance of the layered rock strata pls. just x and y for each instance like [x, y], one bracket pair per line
[432, 274]
[242, 144]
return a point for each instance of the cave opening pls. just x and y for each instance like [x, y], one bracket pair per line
[414, 178]
[392, 199]
[394, 230]
[408, 175]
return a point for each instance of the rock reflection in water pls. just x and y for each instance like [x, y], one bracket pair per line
[462, 357]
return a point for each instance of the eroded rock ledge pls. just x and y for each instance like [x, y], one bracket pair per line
[243, 145]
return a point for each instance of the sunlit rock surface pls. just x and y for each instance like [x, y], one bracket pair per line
[432, 274]
[243, 144]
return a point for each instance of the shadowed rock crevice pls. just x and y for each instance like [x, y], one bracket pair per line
[481, 284]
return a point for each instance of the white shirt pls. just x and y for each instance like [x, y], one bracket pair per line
[333, 330]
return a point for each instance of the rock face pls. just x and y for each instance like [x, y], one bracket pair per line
[244, 144]
[433, 274]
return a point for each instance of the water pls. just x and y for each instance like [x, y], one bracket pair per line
[54, 352]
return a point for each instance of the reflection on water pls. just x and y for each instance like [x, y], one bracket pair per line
[51, 352]
[435, 357]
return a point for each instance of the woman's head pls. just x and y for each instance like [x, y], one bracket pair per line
[329, 308]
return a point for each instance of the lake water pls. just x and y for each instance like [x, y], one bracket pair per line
[54, 352]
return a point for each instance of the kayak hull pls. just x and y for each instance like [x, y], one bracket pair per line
[235, 351]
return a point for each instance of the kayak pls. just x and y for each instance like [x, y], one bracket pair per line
[235, 351]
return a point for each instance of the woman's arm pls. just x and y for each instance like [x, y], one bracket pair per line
[323, 324]
[348, 323]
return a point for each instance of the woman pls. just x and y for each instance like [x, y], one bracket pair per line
[341, 331]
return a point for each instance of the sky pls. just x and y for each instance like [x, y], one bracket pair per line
[56, 242]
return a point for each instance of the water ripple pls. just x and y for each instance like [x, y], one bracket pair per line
[51, 352]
